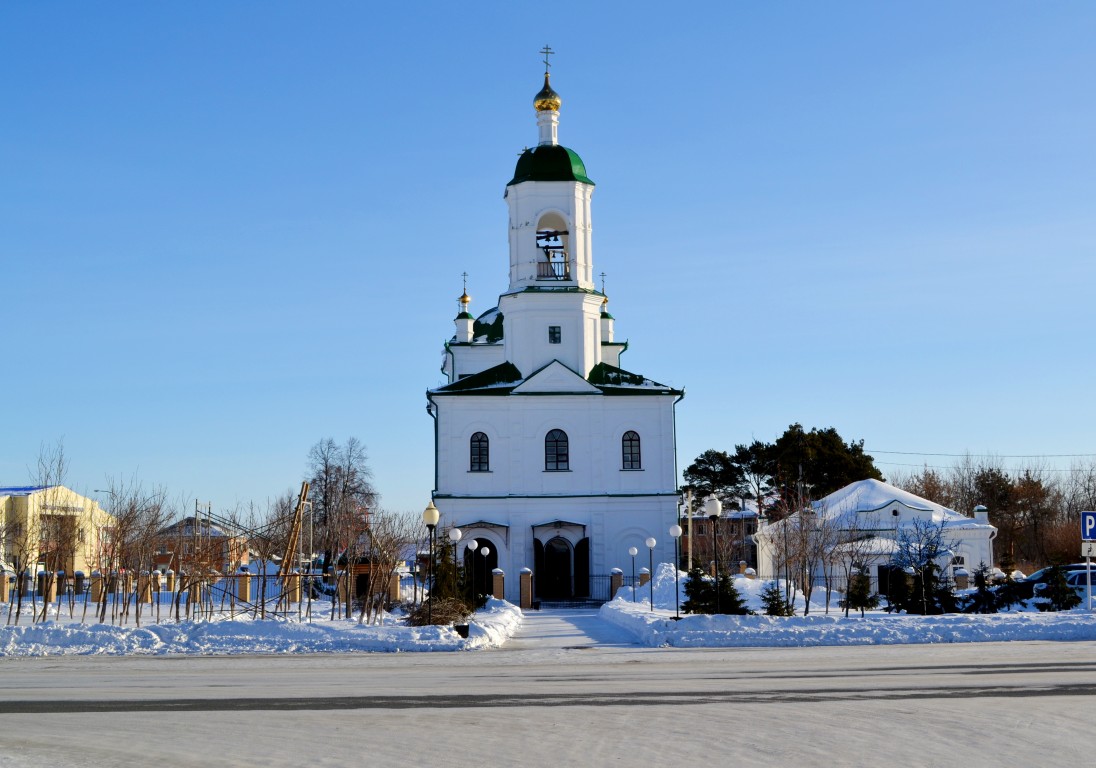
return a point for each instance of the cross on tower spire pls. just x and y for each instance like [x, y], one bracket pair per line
[603, 282]
[547, 52]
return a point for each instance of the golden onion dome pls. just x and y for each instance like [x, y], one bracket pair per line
[465, 298]
[547, 100]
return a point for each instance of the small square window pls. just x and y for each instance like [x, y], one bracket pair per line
[554, 334]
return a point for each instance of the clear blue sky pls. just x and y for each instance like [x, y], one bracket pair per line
[228, 230]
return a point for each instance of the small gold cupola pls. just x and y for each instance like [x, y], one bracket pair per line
[547, 100]
[464, 321]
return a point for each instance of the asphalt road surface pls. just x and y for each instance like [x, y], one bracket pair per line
[569, 690]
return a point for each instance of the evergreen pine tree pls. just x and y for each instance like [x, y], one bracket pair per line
[730, 602]
[449, 582]
[699, 593]
[899, 596]
[859, 596]
[983, 600]
[772, 597]
[1008, 594]
[1058, 595]
[944, 599]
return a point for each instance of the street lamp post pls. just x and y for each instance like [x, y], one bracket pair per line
[651, 554]
[455, 536]
[633, 552]
[430, 517]
[472, 545]
[485, 551]
[675, 533]
[714, 509]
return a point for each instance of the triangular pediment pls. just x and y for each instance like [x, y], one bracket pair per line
[555, 378]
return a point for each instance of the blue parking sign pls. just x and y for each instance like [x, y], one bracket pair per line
[1088, 526]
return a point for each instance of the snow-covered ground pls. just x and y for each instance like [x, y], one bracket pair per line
[491, 626]
[657, 628]
[498, 621]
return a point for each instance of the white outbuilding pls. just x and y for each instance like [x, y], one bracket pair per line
[548, 454]
[862, 521]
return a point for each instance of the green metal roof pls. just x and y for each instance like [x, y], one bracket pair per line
[501, 374]
[617, 381]
[489, 324]
[550, 162]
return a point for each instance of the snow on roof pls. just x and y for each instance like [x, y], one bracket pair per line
[867, 496]
[872, 547]
[185, 527]
[22, 490]
[846, 506]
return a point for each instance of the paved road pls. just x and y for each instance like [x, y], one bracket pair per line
[567, 691]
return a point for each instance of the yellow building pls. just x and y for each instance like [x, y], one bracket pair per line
[52, 528]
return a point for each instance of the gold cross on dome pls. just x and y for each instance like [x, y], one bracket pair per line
[547, 52]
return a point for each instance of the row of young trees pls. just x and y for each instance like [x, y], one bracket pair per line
[345, 531]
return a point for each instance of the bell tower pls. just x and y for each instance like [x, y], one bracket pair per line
[549, 202]
[552, 309]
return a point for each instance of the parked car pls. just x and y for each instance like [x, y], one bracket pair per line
[1076, 577]
[1079, 581]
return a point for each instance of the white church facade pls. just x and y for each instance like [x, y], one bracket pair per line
[547, 452]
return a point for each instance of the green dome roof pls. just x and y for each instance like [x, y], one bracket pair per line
[549, 162]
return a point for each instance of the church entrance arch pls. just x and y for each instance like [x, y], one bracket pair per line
[555, 582]
[478, 567]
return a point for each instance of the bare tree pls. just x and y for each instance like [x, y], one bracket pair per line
[391, 537]
[270, 533]
[858, 548]
[139, 514]
[340, 489]
[919, 546]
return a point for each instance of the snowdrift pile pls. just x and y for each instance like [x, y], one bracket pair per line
[491, 626]
[657, 628]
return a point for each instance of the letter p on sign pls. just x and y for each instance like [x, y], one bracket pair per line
[1088, 526]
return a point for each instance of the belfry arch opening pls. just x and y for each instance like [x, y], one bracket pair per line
[554, 248]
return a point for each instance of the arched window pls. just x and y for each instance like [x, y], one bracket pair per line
[479, 449]
[629, 445]
[555, 451]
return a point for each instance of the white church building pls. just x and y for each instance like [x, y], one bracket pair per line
[547, 452]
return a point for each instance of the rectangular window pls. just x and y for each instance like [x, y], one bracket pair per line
[554, 334]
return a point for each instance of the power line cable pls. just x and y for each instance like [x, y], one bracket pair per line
[988, 455]
[941, 466]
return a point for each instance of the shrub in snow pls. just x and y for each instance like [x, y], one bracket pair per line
[439, 610]
[983, 600]
[859, 597]
[701, 595]
[1057, 595]
[1009, 593]
[772, 597]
